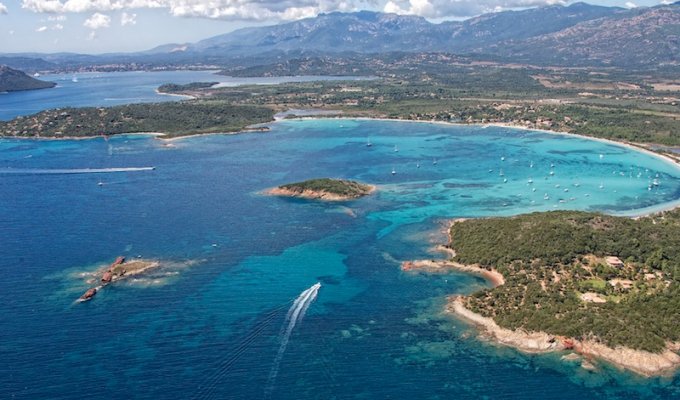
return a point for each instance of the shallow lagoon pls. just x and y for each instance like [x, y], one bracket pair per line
[212, 329]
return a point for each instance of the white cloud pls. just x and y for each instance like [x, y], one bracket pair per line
[11, 33]
[97, 21]
[57, 27]
[460, 8]
[630, 4]
[41, 29]
[3, 9]
[263, 10]
[128, 19]
[59, 18]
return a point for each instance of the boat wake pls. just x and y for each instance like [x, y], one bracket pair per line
[61, 171]
[295, 314]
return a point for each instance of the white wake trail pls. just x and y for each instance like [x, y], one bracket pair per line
[61, 171]
[295, 314]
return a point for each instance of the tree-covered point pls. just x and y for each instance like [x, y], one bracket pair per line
[174, 88]
[549, 260]
[12, 80]
[170, 118]
[338, 187]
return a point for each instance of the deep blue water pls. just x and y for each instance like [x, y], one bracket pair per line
[114, 88]
[210, 322]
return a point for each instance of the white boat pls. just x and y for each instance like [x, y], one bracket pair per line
[530, 181]
[417, 165]
[37, 75]
[552, 173]
[394, 172]
[434, 162]
[74, 79]
[502, 158]
[396, 149]
[368, 143]
[501, 173]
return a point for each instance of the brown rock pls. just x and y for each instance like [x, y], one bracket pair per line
[89, 294]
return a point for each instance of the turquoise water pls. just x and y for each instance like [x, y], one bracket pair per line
[210, 323]
[114, 88]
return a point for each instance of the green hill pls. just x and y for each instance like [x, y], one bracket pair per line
[12, 80]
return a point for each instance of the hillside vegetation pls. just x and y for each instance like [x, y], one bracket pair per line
[554, 265]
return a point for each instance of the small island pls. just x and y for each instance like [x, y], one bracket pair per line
[596, 286]
[120, 269]
[324, 189]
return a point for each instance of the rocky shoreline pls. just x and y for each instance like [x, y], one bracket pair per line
[640, 362]
[312, 194]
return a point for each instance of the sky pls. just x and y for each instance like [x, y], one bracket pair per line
[101, 26]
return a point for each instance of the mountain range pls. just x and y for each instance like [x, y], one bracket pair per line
[576, 35]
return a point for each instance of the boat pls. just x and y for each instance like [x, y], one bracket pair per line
[74, 79]
[546, 197]
[368, 142]
[501, 173]
[601, 186]
[417, 165]
[552, 173]
[655, 182]
[502, 158]
[530, 181]
[396, 149]
[601, 156]
[531, 164]
[505, 180]
[36, 75]
[434, 162]
[394, 172]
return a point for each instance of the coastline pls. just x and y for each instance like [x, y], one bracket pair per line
[638, 361]
[443, 266]
[258, 128]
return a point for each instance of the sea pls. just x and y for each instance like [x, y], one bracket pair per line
[261, 297]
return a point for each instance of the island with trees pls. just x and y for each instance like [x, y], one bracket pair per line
[324, 189]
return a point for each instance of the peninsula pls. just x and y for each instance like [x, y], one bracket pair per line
[324, 189]
[604, 287]
[12, 80]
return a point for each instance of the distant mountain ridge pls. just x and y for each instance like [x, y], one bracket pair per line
[12, 80]
[374, 32]
[576, 35]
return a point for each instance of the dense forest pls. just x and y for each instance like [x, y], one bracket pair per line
[549, 260]
[170, 118]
